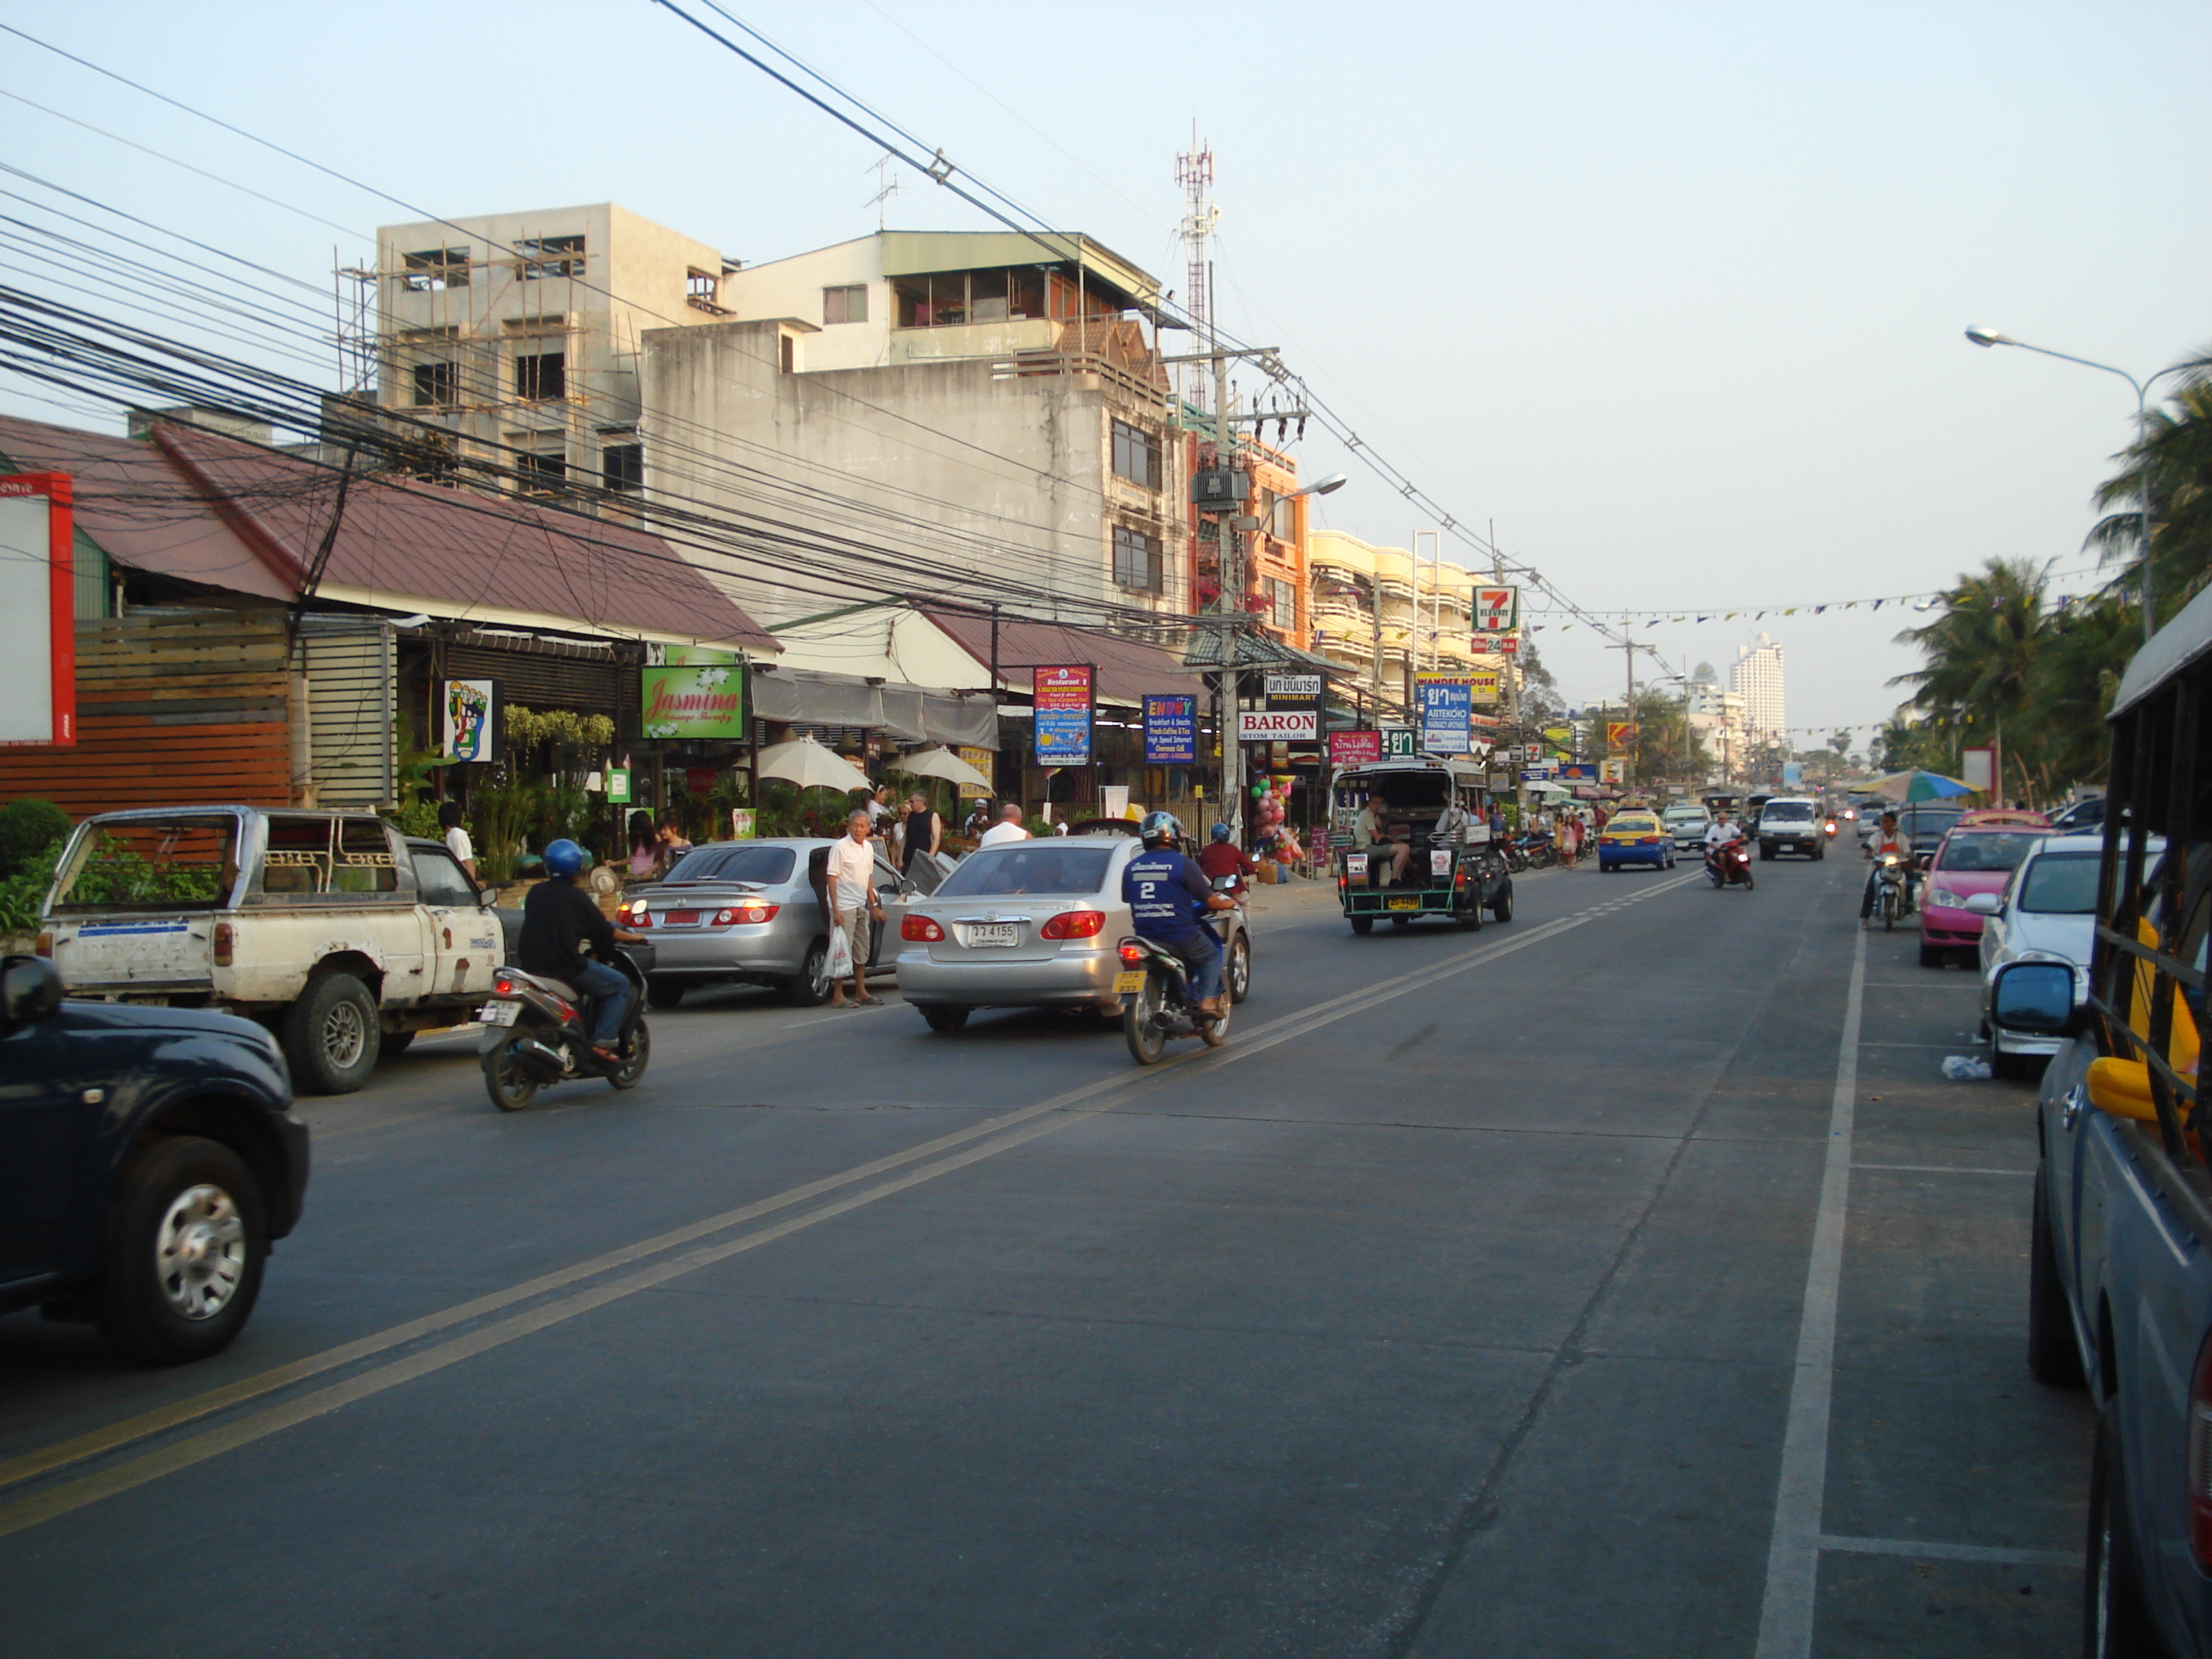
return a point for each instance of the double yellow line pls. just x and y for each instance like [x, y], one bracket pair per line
[916, 1165]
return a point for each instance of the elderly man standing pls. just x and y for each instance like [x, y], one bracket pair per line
[853, 902]
[1008, 828]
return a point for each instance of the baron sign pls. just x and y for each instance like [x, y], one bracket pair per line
[1277, 724]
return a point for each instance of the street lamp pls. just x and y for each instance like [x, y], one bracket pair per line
[1989, 337]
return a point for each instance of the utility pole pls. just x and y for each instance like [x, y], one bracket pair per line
[1510, 673]
[1629, 647]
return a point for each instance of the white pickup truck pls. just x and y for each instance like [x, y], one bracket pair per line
[333, 929]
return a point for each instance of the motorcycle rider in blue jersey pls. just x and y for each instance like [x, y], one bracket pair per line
[1168, 895]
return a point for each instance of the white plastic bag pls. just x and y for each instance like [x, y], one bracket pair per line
[840, 964]
[1967, 1068]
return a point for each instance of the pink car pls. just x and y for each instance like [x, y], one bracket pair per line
[1975, 857]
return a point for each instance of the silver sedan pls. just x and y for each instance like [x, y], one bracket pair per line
[1032, 924]
[750, 913]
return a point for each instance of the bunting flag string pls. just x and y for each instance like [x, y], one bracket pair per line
[1926, 600]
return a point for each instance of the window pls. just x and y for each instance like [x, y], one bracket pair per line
[173, 864]
[845, 305]
[439, 880]
[1136, 455]
[1137, 561]
[622, 468]
[1029, 866]
[437, 386]
[543, 376]
[703, 290]
[1282, 602]
[434, 269]
[2062, 884]
[787, 353]
[540, 473]
[430, 460]
[364, 862]
[768, 866]
[550, 256]
[950, 298]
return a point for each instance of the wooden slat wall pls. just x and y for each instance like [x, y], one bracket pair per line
[174, 709]
[351, 668]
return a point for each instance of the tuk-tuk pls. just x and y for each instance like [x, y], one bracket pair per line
[1452, 877]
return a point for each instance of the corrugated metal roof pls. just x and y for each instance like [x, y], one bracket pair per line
[1128, 669]
[208, 509]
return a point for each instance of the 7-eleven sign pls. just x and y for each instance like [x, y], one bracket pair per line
[1497, 610]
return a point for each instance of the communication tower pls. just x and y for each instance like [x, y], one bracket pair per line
[1194, 172]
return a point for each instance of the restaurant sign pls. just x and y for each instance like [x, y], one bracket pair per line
[1060, 714]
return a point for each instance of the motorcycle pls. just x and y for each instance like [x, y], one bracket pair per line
[1829, 827]
[1892, 890]
[1730, 864]
[537, 1033]
[1537, 849]
[1156, 1000]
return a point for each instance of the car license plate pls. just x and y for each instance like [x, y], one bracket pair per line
[680, 919]
[499, 1013]
[1405, 904]
[1129, 982]
[1001, 935]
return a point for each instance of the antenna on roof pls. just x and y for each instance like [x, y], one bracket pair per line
[887, 185]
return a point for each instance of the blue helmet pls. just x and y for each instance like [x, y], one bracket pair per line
[1159, 827]
[563, 857]
[1221, 832]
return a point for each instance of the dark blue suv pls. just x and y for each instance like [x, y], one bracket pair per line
[148, 1158]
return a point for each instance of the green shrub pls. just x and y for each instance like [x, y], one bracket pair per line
[28, 828]
[22, 893]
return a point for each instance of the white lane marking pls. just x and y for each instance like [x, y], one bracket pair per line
[1915, 1547]
[1793, 1553]
[1939, 1168]
[30, 1512]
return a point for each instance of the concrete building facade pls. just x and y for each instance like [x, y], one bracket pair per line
[1757, 678]
[1427, 611]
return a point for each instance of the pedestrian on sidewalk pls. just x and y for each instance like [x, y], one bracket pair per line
[1008, 828]
[457, 838]
[920, 831]
[853, 903]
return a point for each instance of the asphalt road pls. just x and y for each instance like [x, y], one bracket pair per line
[1577, 1287]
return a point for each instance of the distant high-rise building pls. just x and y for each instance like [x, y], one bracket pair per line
[1756, 678]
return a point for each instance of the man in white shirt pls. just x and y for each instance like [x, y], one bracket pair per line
[1720, 833]
[1452, 826]
[853, 902]
[1886, 841]
[1371, 830]
[1008, 828]
[457, 839]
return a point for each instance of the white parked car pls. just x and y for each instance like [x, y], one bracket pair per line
[2046, 913]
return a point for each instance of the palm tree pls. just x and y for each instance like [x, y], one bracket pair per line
[1982, 653]
[2175, 455]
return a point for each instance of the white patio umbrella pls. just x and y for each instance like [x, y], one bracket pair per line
[941, 762]
[812, 765]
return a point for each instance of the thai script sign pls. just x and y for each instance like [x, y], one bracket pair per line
[1354, 748]
[1445, 701]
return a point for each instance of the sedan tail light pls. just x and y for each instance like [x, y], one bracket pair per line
[1075, 923]
[634, 913]
[2199, 1459]
[921, 929]
[744, 915]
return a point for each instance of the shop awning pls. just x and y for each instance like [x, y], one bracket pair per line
[907, 713]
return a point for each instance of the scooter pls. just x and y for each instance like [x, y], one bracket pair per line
[537, 1032]
[1729, 865]
[1892, 890]
[1156, 1000]
[1537, 848]
[1829, 827]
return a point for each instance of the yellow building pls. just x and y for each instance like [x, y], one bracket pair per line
[1426, 608]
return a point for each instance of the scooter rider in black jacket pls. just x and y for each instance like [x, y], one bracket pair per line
[557, 916]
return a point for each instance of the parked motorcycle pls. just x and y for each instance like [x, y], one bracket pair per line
[1730, 866]
[1157, 1001]
[537, 1032]
[1537, 849]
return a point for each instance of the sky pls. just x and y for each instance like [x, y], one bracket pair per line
[1674, 296]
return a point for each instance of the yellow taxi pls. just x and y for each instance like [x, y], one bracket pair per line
[1634, 834]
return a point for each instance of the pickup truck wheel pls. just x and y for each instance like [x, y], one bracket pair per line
[2053, 1357]
[394, 1042]
[2115, 1619]
[1502, 909]
[1363, 923]
[330, 1035]
[811, 988]
[185, 1248]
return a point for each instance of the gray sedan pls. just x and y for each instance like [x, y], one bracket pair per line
[751, 912]
[1031, 924]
